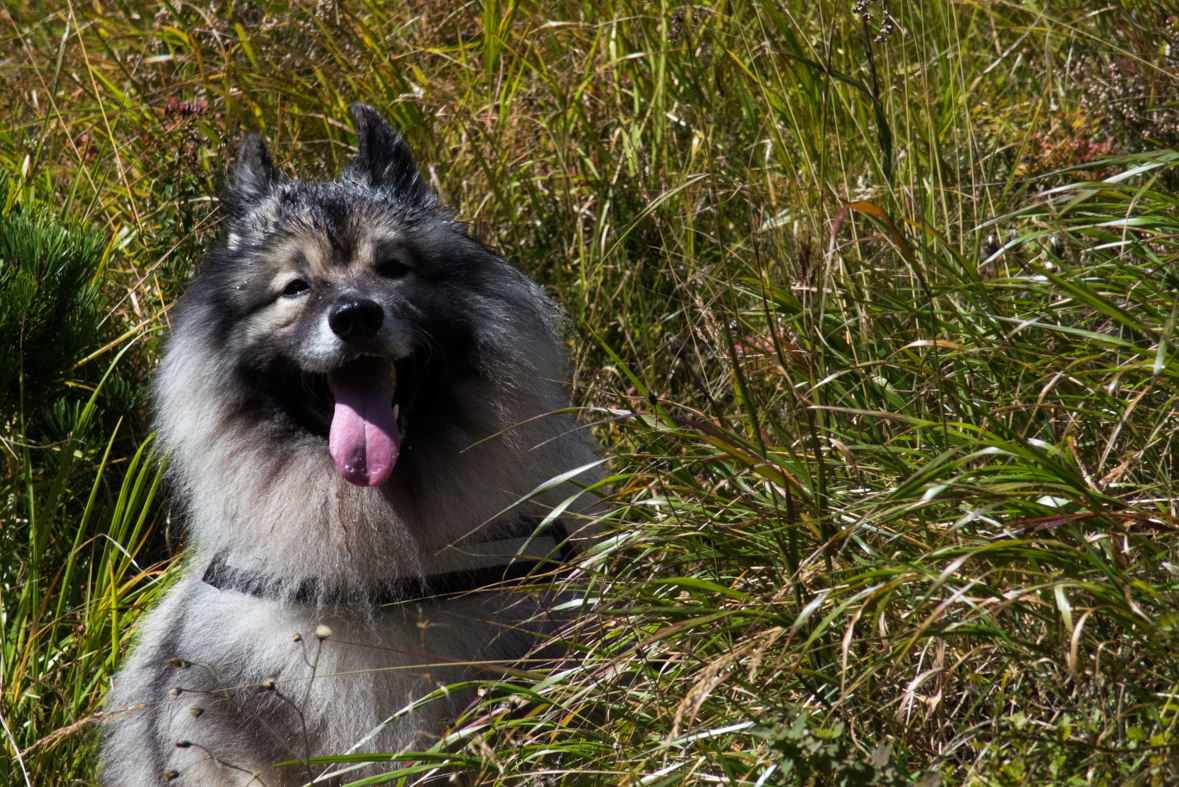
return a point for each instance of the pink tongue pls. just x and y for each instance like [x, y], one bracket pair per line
[364, 439]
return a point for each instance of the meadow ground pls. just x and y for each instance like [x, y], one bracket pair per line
[872, 306]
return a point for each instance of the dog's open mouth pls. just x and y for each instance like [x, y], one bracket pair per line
[364, 439]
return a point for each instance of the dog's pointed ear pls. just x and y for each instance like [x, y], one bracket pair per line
[254, 175]
[383, 158]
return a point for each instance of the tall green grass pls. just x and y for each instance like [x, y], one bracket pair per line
[876, 319]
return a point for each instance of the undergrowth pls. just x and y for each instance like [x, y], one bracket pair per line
[874, 308]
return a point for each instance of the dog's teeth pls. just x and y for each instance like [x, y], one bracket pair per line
[396, 411]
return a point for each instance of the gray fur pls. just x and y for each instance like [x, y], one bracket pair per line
[240, 409]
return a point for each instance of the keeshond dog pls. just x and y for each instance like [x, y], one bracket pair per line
[354, 399]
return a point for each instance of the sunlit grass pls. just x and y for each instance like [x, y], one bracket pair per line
[884, 354]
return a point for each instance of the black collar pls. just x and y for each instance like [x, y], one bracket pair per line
[546, 549]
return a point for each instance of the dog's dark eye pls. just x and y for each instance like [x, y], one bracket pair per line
[393, 268]
[297, 287]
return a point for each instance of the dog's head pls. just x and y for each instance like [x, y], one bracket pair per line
[357, 302]
[353, 329]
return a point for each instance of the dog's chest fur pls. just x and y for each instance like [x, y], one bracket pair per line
[247, 693]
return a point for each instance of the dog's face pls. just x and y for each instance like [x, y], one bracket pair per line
[349, 303]
[350, 356]
[353, 310]
[337, 319]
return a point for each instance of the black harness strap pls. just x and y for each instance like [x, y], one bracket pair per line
[224, 577]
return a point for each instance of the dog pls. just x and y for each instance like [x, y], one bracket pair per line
[357, 398]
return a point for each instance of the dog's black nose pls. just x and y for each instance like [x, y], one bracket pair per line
[356, 319]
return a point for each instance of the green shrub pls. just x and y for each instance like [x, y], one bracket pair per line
[51, 309]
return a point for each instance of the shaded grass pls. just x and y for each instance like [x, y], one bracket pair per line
[887, 367]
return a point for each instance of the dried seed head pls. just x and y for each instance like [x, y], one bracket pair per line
[322, 631]
[298, 638]
[269, 684]
[991, 246]
[175, 691]
[170, 775]
[183, 744]
[196, 712]
[181, 663]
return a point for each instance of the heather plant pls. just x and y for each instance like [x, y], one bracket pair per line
[873, 306]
